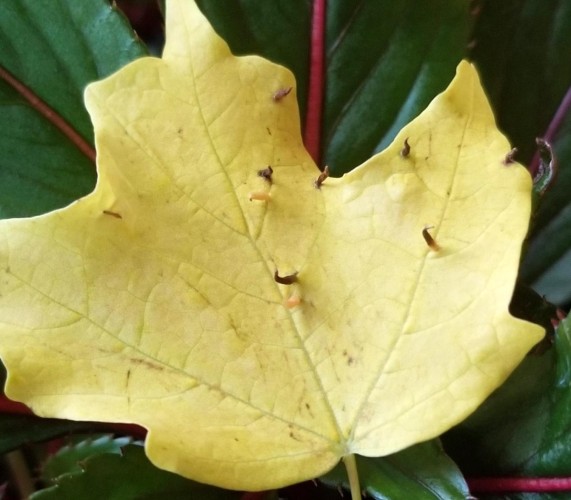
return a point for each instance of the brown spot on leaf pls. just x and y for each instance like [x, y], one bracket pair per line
[117, 215]
[266, 173]
[147, 364]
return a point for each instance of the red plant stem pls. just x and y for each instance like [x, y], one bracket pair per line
[55, 119]
[553, 128]
[312, 135]
[519, 484]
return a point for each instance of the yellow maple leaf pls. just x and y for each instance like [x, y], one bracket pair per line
[262, 328]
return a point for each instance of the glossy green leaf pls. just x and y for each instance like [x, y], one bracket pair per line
[423, 471]
[520, 48]
[128, 476]
[55, 49]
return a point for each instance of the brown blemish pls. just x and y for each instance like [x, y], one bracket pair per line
[292, 434]
[117, 215]
[350, 359]
[266, 173]
[146, 364]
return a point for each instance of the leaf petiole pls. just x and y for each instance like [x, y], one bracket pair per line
[353, 475]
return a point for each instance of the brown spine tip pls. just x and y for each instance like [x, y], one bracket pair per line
[281, 93]
[266, 173]
[285, 280]
[509, 158]
[405, 151]
[113, 214]
[259, 196]
[322, 176]
[430, 241]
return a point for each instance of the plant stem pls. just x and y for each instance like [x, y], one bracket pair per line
[353, 475]
[499, 485]
[312, 136]
[48, 113]
[20, 473]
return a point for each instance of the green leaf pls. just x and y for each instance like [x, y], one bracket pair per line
[423, 471]
[17, 430]
[519, 46]
[127, 476]
[524, 428]
[55, 49]
[519, 49]
[68, 458]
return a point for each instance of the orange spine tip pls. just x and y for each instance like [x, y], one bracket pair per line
[259, 196]
[292, 302]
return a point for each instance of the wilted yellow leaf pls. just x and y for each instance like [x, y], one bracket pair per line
[154, 300]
